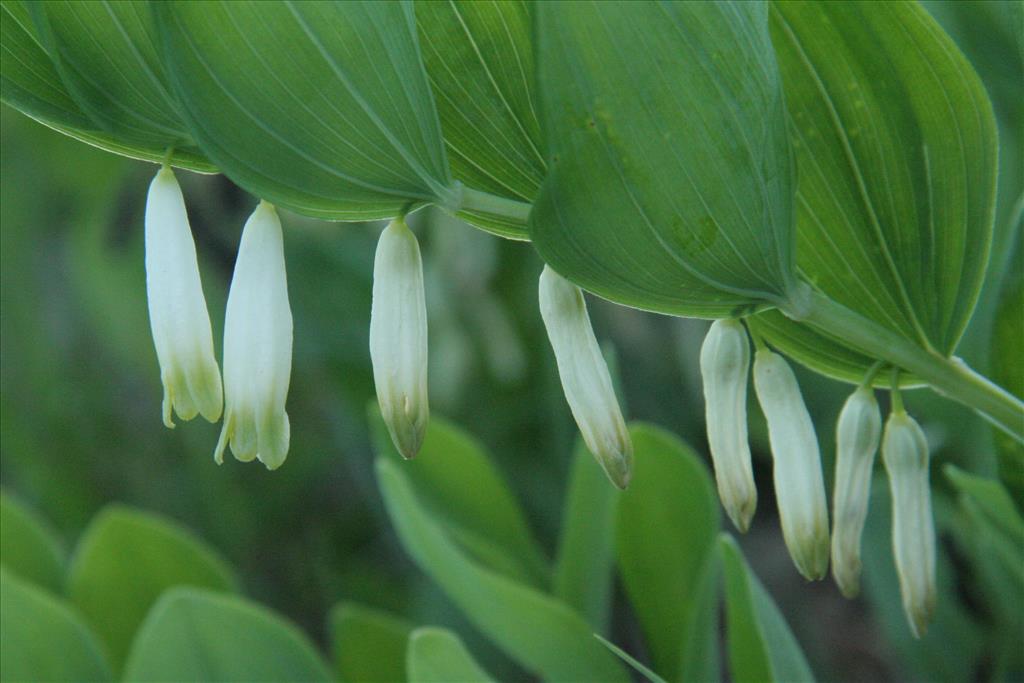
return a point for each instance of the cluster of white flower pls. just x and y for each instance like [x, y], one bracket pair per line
[257, 328]
[799, 484]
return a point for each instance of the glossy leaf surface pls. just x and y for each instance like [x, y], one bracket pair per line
[479, 57]
[28, 547]
[670, 183]
[761, 646]
[322, 108]
[199, 635]
[896, 155]
[541, 633]
[125, 560]
[436, 655]
[456, 479]
[671, 583]
[29, 82]
[368, 644]
[43, 639]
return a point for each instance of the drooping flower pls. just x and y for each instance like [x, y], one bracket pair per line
[257, 346]
[398, 337]
[799, 485]
[177, 308]
[905, 454]
[857, 435]
[725, 366]
[584, 374]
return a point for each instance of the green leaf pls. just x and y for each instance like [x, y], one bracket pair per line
[541, 633]
[368, 644]
[124, 561]
[28, 547]
[583, 569]
[994, 507]
[629, 659]
[436, 655]
[107, 58]
[199, 635]
[29, 82]
[896, 149]
[479, 57]
[761, 646]
[667, 524]
[1008, 370]
[670, 183]
[322, 108]
[42, 639]
[456, 480]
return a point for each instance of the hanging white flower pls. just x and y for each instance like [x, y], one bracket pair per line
[584, 374]
[257, 346]
[799, 485]
[725, 366]
[905, 453]
[177, 308]
[857, 434]
[398, 337]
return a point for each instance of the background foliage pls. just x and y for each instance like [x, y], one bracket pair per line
[79, 419]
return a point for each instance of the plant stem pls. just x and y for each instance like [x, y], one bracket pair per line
[475, 200]
[950, 377]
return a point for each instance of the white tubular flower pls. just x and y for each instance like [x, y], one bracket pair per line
[857, 434]
[177, 307]
[257, 346]
[905, 453]
[725, 365]
[584, 374]
[799, 486]
[398, 337]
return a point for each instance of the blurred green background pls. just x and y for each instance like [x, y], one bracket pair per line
[80, 399]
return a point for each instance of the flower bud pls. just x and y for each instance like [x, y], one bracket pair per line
[584, 374]
[799, 485]
[257, 346]
[177, 308]
[857, 434]
[725, 364]
[398, 337]
[905, 453]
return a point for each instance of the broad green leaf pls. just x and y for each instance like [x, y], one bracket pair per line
[993, 509]
[668, 520]
[124, 561]
[42, 639]
[761, 646]
[29, 82]
[199, 635]
[456, 480]
[368, 644]
[583, 568]
[479, 58]
[543, 634]
[1008, 369]
[990, 531]
[28, 547]
[670, 183]
[437, 655]
[322, 108]
[107, 56]
[896, 153]
[632, 661]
